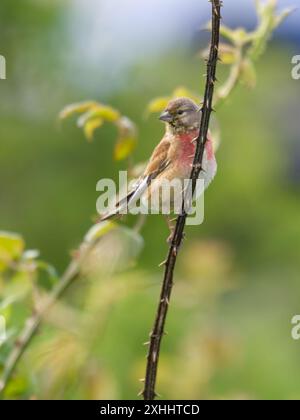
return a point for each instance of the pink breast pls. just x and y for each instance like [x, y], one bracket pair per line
[209, 149]
[188, 148]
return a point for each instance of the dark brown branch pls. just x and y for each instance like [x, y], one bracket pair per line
[158, 329]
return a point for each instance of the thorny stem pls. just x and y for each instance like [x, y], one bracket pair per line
[162, 310]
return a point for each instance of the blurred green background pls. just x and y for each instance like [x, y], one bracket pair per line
[237, 285]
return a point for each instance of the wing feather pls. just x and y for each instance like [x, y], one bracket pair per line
[158, 163]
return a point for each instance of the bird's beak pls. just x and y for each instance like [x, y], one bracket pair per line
[166, 117]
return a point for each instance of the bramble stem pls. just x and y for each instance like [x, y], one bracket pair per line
[162, 310]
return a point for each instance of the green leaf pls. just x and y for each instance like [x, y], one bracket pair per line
[133, 244]
[268, 22]
[183, 91]
[8, 301]
[237, 36]
[90, 127]
[127, 139]
[99, 230]
[16, 387]
[95, 117]
[248, 73]
[227, 54]
[49, 270]
[226, 32]
[158, 105]
[76, 108]
[283, 15]
[107, 113]
[124, 147]
[6, 306]
[103, 112]
[11, 248]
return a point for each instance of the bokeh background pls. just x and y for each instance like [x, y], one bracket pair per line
[237, 285]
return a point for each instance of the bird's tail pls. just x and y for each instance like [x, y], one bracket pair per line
[106, 217]
[118, 211]
[126, 202]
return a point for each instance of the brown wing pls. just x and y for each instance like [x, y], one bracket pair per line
[159, 159]
[158, 163]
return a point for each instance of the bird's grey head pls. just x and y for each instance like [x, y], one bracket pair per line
[182, 115]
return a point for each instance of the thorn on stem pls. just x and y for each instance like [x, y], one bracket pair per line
[166, 300]
[198, 166]
[162, 263]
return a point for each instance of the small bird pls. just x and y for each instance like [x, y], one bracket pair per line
[173, 157]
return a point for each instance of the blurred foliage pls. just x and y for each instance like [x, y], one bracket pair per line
[237, 284]
[23, 280]
[159, 104]
[239, 53]
[94, 115]
[18, 264]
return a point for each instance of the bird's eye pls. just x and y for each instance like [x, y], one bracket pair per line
[181, 112]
